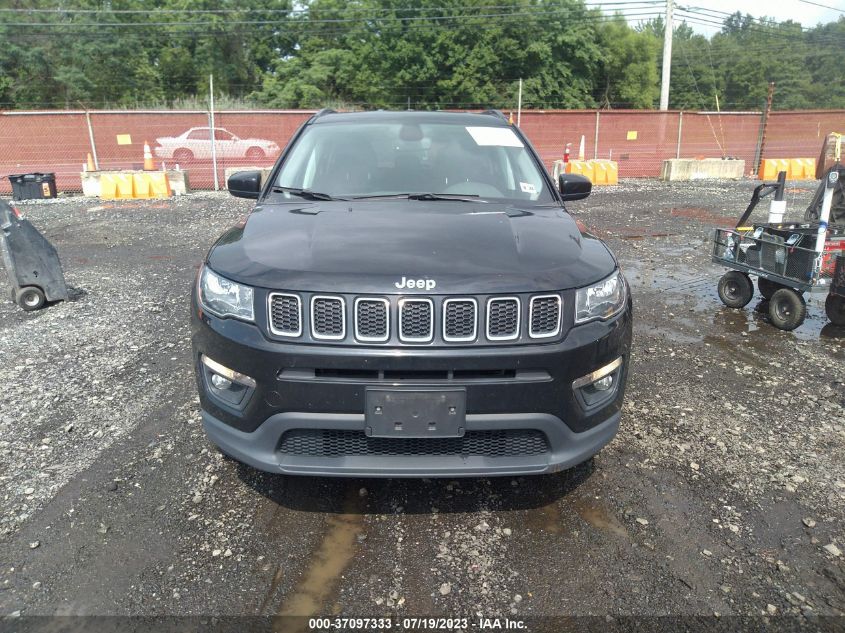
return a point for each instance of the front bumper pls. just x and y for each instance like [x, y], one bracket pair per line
[259, 449]
[314, 389]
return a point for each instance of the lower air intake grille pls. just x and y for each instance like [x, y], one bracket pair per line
[545, 316]
[336, 443]
[327, 318]
[503, 319]
[285, 315]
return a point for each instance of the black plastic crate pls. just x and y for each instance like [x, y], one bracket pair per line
[33, 186]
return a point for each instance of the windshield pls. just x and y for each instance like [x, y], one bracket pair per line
[389, 158]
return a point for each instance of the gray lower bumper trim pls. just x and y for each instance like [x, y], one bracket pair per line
[259, 448]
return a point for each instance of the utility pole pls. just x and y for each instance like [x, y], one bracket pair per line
[761, 147]
[91, 136]
[519, 105]
[211, 120]
[667, 58]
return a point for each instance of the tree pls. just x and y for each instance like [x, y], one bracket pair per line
[629, 70]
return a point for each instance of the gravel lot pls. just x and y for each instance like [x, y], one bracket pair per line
[724, 492]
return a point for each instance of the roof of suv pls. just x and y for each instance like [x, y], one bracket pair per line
[491, 118]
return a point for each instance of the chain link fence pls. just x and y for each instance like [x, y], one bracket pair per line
[60, 141]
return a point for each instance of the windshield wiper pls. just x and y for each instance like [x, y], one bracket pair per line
[463, 197]
[460, 197]
[304, 193]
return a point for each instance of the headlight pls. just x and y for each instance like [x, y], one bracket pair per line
[601, 300]
[225, 298]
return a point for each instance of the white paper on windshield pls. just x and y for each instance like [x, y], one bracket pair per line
[497, 136]
[527, 187]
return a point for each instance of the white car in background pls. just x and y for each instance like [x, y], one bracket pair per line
[196, 143]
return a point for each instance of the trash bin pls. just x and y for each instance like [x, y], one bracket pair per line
[33, 186]
[31, 262]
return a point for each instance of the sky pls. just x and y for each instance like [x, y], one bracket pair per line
[804, 12]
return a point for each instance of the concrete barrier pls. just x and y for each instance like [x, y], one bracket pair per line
[702, 169]
[123, 183]
[265, 173]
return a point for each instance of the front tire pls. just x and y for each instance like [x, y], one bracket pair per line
[834, 307]
[735, 289]
[31, 298]
[255, 153]
[183, 155]
[787, 309]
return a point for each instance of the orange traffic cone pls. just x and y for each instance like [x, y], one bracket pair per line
[90, 165]
[148, 158]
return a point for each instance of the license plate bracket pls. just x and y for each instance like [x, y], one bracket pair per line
[415, 413]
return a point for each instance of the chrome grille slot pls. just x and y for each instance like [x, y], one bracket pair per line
[372, 320]
[503, 319]
[328, 318]
[416, 320]
[285, 314]
[544, 316]
[460, 322]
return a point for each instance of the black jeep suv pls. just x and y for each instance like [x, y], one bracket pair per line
[410, 298]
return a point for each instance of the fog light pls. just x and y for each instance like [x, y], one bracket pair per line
[221, 372]
[220, 382]
[603, 384]
[598, 376]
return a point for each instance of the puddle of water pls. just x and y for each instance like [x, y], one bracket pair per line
[599, 518]
[546, 519]
[332, 556]
[696, 291]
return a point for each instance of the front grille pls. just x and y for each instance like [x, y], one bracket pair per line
[285, 314]
[412, 319]
[416, 320]
[545, 316]
[328, 318]
[503, 319]
[371, 320]
[338, 443]
[459, 320]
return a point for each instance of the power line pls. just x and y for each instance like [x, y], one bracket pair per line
[61, 10]
[305, 27]
[395, 18]
[823, 6]
[697, 16]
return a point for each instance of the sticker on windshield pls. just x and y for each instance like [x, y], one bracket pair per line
[527, 187]
[497, 136]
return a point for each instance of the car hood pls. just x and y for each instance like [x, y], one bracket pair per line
[369, 246]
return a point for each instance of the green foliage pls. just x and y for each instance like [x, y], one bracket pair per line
[738, 63]
[393, 53]
[630, 66]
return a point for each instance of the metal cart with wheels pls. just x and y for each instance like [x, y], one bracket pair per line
[787, 259]
[834, 305]
[31, 262]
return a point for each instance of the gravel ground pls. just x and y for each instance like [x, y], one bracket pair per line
[723, 493]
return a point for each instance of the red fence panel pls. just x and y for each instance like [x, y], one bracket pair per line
[640, 140]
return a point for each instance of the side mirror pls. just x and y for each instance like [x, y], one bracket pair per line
[574, 186]
[245, 184]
